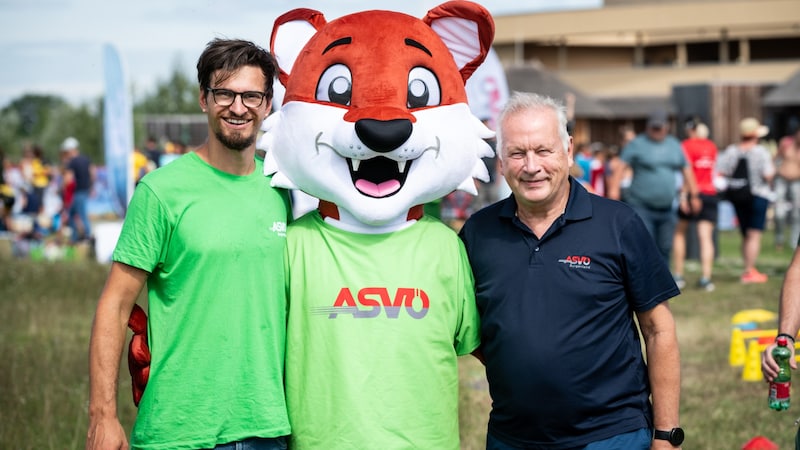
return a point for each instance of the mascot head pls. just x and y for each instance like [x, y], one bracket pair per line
[375, 120]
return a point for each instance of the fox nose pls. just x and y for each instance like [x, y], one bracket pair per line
[383, 136]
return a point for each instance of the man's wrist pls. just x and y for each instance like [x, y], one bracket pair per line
[787, 336]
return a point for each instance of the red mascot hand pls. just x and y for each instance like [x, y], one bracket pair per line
[138, 353]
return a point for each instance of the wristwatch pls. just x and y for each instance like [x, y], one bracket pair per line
[674, 436]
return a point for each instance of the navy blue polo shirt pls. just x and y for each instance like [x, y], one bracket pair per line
[563, 355]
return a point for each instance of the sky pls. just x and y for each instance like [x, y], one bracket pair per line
[55, 46]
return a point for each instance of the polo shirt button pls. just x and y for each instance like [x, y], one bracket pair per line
[537, 249]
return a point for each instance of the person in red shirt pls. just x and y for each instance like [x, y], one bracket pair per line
[702, 156]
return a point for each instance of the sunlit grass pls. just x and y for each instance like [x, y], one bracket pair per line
[47, 309]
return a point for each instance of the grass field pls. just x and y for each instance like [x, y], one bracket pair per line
[47, 308]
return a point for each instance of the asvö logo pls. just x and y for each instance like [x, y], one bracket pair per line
[371, 301]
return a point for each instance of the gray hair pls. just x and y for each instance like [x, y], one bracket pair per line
[521, 101]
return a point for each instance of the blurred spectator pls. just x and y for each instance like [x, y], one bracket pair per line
[656, 158]
[619, 175]
[583, 161]
[80, 170]
[6, 195]
[749, 164]
[139, 165]
[173, 151]
[456, 208]
[37, 176]
[153, 152]
[702, 155]
[597, 169]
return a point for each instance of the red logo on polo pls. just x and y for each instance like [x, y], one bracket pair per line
[578, 262]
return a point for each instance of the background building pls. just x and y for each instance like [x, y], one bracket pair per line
[716, 59]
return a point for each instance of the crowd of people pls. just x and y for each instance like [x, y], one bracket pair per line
[48, 200]
[42, 197]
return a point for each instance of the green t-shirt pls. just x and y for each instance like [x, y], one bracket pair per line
[214, 246]
[376, 323]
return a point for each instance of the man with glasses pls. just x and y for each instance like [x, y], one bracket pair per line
[199, 232]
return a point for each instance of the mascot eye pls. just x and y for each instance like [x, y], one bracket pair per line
[423, 88]
[335, 85]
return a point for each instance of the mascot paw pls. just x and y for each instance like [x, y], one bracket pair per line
[138, 353]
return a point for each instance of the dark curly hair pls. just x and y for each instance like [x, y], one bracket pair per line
[228, 56]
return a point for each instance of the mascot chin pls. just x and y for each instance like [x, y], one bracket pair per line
[375, 123]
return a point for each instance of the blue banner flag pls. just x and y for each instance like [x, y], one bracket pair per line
[117, 130]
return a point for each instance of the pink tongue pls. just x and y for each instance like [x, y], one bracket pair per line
[378, 190]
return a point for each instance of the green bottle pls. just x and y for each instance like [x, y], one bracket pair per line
[779, 387]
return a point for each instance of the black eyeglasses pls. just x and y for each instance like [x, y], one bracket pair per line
[226, 97]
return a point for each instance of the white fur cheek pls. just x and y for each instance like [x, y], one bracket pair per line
[314, 168]
[460, 148]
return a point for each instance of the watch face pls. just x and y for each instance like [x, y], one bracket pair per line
[676, 436]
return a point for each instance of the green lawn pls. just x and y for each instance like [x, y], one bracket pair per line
[47, 310]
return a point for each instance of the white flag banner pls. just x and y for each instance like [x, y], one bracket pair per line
[487, 89]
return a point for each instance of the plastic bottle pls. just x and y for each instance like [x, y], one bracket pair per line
[779, 387]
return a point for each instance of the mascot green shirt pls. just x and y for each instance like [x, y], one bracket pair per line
[374, 336]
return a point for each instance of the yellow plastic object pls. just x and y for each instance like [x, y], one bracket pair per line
[738, 351]
[752, 367]
[753, 315]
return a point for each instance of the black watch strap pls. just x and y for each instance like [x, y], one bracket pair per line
[674, 436]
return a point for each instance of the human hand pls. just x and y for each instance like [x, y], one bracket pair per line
[106, 434]
[696, 204]
[684, 206]
[768, 365]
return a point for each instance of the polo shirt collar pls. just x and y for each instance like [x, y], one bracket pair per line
[579, 203]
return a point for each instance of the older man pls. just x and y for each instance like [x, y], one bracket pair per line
[561, 348]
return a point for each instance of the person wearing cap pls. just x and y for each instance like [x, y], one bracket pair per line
[655, 158]
[748, 163]
[702, 154]
[78, 169]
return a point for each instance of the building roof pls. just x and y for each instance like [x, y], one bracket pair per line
[531, 78]
[653, 23]
[636, 107]
[787, 94]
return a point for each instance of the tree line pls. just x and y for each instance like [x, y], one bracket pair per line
[46, 120]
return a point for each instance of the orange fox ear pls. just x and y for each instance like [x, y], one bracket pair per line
[467, 29]
[290, 33]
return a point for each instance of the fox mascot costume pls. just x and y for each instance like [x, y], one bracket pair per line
[375, 123]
